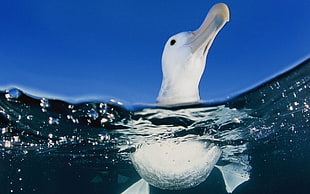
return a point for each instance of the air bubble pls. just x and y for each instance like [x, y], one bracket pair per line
[53, 121]
[7, 143]
[70, 117]
[15, 139]
[111, 116]
[4, 130]
[104, 137]
[93, 114]
[103, 121]
[103, 108]
[44, 104]
[236, 120]
[29, 117]
[63, 139]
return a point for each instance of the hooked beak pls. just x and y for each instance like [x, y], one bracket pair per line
[215, 20]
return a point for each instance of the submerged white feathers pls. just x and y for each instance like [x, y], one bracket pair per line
[175, 165]
[179, 165]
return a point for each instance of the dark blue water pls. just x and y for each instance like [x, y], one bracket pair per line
[51, 146]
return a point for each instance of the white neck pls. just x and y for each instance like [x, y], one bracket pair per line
[181, 87]
[178, 91]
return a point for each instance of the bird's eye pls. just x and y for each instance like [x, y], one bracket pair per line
[172, 42]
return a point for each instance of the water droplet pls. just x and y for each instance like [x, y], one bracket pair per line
[13, 93]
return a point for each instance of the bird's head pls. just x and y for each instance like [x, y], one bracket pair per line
[184, 59]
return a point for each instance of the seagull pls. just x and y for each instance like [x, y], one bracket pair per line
[174, 165]
[184, 59]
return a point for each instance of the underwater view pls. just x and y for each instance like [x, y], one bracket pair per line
[52, 146]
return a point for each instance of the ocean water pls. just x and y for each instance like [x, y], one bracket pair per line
[52, 146]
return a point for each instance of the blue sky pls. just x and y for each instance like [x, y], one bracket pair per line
[95, 49]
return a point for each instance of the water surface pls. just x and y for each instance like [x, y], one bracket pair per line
[52, 146]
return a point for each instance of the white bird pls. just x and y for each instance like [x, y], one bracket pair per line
[171, 165]
[184, 59]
